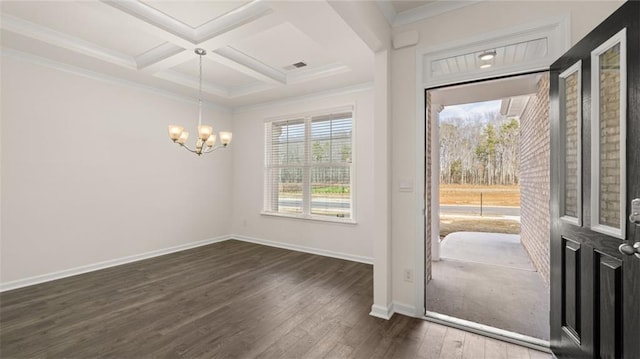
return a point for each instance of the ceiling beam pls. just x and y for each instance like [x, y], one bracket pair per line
[155, 17]
[232, 20]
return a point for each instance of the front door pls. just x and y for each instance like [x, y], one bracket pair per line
[595, 177]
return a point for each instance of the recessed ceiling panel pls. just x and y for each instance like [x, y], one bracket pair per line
[195, 13]
[282, 46]
[93, 22]
[215, 73]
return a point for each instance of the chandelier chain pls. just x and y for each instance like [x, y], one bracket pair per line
[200, 95]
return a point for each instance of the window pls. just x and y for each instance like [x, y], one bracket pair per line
[570, 97]
[309, 166]
[608, 136]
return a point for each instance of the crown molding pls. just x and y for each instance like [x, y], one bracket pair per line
[250, 89]
[45, 62]
[387, 10]
[423, 12]
[430, 10]
[47, 35]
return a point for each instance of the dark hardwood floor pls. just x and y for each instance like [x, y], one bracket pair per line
[226, 300]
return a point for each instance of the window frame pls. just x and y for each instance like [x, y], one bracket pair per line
[307, 166]
[575, 220]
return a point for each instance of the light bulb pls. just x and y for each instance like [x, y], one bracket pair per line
[211, 141]
[175, 132]
[487, 55]
[183, 137]
[225, 137]
[204, 132]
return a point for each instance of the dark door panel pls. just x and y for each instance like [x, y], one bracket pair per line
[595, 288]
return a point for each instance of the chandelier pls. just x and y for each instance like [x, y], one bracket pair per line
[206, 142]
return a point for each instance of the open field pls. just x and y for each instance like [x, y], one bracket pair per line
[469, 195]
[450, 224]
[464, 194]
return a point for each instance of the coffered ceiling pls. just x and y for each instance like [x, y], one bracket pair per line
[252, 45]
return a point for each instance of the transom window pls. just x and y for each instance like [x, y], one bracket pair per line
[309, 166]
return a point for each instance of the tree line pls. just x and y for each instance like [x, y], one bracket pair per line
[481, 149]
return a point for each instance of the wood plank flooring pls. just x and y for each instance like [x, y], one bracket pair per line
[226, 300]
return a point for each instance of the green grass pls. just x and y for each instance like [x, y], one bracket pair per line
[330, 189]
[450, 224]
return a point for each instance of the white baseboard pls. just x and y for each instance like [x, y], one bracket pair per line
[299, 248]
[106, 264]
[138, 257]
[380, 311]
[383, 312]
[405, 309]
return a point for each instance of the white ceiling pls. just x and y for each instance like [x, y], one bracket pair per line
[405, 5]
[251, 45]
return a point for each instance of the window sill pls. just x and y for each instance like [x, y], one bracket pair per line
[310, 217]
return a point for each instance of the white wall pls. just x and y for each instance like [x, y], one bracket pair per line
[471, 21]
[107, 183]
[353, 240]
[89, 174]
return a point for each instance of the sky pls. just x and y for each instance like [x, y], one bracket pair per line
[464, 109]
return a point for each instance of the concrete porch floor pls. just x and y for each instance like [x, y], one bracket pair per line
[489, 279]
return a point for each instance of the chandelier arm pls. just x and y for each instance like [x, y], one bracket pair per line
[211, 150]
[187, 148]
[214, 148]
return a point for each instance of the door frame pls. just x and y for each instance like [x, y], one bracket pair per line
[557, 31]
[505, 335]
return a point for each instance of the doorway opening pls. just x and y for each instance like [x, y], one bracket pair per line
[487, 261]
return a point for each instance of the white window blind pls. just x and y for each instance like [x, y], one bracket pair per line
[308, 166]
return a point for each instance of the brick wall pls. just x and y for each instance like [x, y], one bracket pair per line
[534, 178]
[571, 145]
[610, 137]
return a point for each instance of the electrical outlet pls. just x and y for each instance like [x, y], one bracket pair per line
[408, 275]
